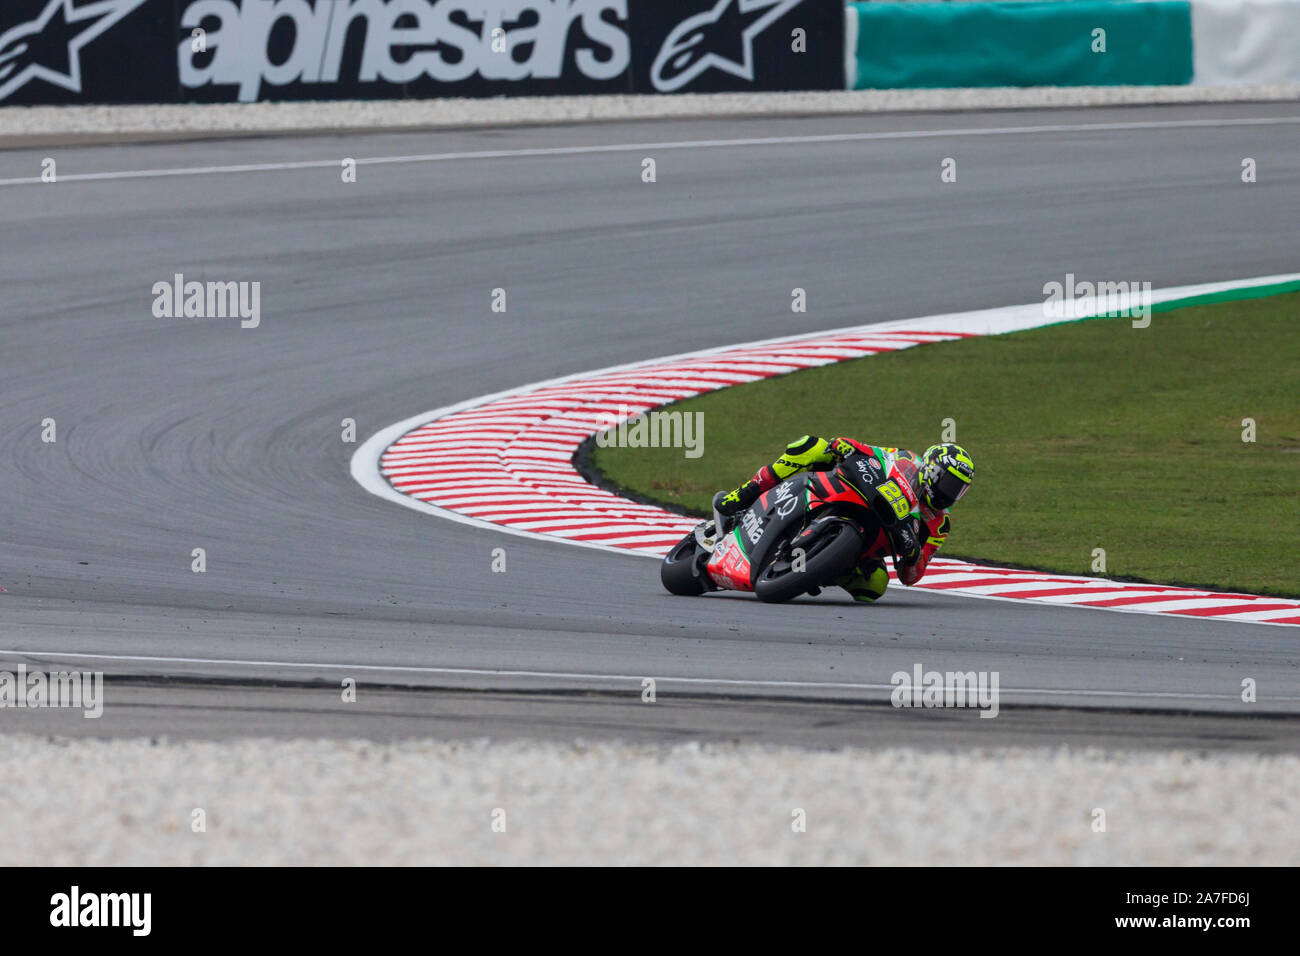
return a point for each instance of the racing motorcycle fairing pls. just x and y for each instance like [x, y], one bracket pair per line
[755, 531]
[866, 489]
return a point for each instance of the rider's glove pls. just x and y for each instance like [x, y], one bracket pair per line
[906, 542]
[740, 499]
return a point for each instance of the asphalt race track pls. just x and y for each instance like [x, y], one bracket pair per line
[175, 434]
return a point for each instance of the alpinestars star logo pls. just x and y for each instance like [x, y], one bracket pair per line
[49, 47]
[721, 38]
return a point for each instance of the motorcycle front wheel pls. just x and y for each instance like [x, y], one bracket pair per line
[828, 555]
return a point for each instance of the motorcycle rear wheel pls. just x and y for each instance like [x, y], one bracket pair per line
[678, 571]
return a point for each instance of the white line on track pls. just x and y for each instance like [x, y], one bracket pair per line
[575, 675]
[634, 147]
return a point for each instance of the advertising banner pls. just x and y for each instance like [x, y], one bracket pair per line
[219, 51]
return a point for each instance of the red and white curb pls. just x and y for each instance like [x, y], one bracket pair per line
[505, 461]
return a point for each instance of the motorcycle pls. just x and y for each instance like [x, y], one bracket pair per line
[800, 535]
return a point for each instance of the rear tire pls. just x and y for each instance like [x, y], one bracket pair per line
[827, 560]
[678, 571]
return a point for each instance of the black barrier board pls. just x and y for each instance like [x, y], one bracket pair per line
[711, 46]
[221, 51]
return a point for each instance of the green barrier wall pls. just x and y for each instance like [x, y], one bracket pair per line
[902, 45]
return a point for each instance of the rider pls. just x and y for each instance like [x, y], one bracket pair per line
[941, 476]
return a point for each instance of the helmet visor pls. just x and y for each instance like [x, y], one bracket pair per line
[946, 489]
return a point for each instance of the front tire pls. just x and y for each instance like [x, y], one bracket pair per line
[833, 552]
[679, 570]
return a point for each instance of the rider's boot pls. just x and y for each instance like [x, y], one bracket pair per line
[866, 583]
[733, 502]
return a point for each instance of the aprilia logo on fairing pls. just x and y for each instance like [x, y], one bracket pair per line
[404, 41]
[753, 529]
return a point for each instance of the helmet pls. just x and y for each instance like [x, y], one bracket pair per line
[946, 472]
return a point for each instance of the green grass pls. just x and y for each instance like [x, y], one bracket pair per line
[1085, 435]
